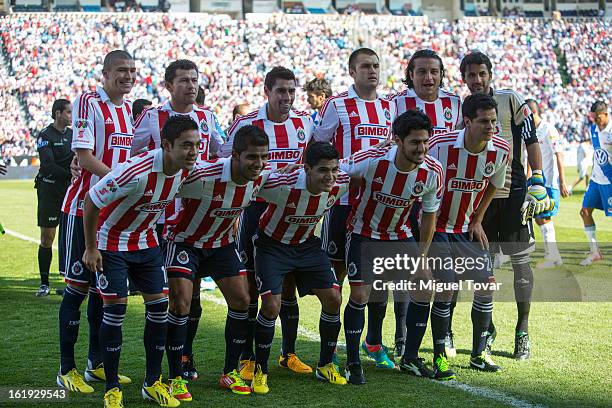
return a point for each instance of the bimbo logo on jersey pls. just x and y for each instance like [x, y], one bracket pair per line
[391, 200]
[284, 155]
[371, 131]
[121, 140]
[437, 130]
[227, 212]
[153, 207]
[302, 219]
[465, 185]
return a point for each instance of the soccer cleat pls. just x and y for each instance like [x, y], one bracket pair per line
[178, 389]
[234, 383]
[549, 263]
[73, 381]
[259, 385]
[293, 363]
[449, 345]
[329, 373]
[354, 374]
[247, 369]
[490, 340]
[188, 368]
[42, 291]
[113, 398]
[160, 393]
[592, 257]
[484, 362]
[441, 370]
[522, 347]
[416, 367]
[336, 360]
[97, 375]
[379, 355]
[399, 351]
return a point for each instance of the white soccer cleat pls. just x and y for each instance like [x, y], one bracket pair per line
[591, 257]
[549, 263]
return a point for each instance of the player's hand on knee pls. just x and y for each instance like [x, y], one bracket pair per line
[92, 258]
[477, 233]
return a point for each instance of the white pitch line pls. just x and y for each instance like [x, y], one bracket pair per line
[479, 391]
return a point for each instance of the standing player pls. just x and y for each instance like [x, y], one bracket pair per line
[288, 131]
[55, 154]
[318, 91]
[286, 244]
[554, 177]
[102, 138]
[424, 76]
[583, 161]
[505, 221]
[474, 163]
[126, 204]
[599, 191]
[355, 120]
[201, 243]
[392, 178]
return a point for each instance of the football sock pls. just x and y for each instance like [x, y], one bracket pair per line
[329, 328]
[376, 317]
[236, 326]
[69, 320]
[590, 233]
[523, 286]
[289, 317]
[440, 316]
[452, 310]
[264, 334]
[354, 320]
[416, 325]
[482, 307]
[550, 241]
[247, 350]
[44, 264]
[94, 318]
[175, 342]
[111, 342]
[155, 331]
[195, 312]
[400, 310]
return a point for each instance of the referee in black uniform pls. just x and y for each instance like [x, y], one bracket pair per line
[51, 183]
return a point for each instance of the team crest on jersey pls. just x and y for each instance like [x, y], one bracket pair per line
[610, 201]
[387, 114]
[243, 256]
[77, 268]
[182, 258]
[102, 282]
[601, 156]
[489, 168]
[418, 188]
[332, 249]
[448, 114]
[301, 135]
[330, 202]
[352, 269]
[203, 126]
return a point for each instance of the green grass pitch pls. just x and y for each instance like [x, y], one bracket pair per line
[568, 367]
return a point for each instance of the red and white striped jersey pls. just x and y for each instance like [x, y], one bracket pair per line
[131, 198]
[105, 129]
[293, 212]
[466, 177]
[352, 124]
[147, 132]
[445, 113]
[387, 194]
[287, 140]
[211, 202]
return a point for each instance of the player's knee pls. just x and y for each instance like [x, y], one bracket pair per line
[270, 306]
[180, 305]
[359, 294]
[445, 296]
[332, 301]
[584, 213]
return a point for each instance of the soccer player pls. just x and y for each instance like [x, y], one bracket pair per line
[392, 178]
[139, 106]
[102, 138]
[474, 163]
[286, 243]
[424, 76]
[289, 131]
[201, 243]
[554, 177]
[318, 91]
[583, 161]
[506, 219]
[126, 204]
[355, 120]
[599, 191]
[181, 80]
[55, 154]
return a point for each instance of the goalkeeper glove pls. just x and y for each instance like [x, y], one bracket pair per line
[536, 199]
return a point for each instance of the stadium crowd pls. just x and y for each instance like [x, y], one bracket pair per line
[56, 56]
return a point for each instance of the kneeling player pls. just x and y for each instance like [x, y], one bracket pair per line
[474, 163]
[201, 244]
[286, 243]
[127, 202]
